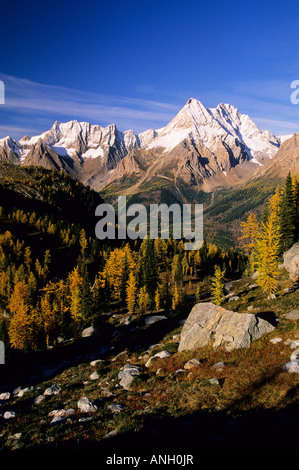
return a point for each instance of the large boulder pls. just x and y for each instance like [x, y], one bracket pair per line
[291, 262]
[208, 323]
[127, 375]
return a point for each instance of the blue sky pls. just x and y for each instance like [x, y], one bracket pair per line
[136, 62]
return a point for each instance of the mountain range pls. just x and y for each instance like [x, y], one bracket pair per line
[200, 150]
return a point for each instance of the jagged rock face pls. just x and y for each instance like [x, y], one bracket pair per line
[9, 151]
[218, 145]
[43, 155]
[286, 159]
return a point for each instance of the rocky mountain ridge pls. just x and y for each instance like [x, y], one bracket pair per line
[201, 147]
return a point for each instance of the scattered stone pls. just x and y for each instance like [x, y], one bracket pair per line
[127, 375]
[252, 286]
[213, 381]
[192, 364]
[161, 355]
[295, 355]
[151, 319]
[5, 396]
[96, 362]
[121, 356]
[111, 433]
[255, 275]
[180, 371]
[234, 297]
[292, 367]
[85, 419]
[152, 346]
[160, 371]
[106, 392]
[22, 392]
[219, 366]
[53, 390]
[62, 413]
[90, 331]
[293, 315]
[275, 340]
[86, 406]
[291, 261]
[16, 436]
[58, 420]
[94, 376]
[209, 322]
[228, 286]
[116, 407]
[294, 344]
[250, 308]
[9, 415]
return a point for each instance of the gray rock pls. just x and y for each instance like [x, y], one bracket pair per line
[293, 315]
[127, 375]
[294, 344]
[228, 286]
[22, 391]
[5, 396]
[9, 415]
[291, 261]
[94, 376]
[234, 297]
[53, 390]
[275, 340]
[97, 362]
[88, 332]
[295, 355]
[292, 367]
[121, 356]
[192, 364]
[219, 366]
[86, 406]
[62, 413]
[116, 407]
[111, 433]
[39, 399]
[85, 419]
[149, 320]
[161, 355]
[213, 381]
[208, 322]
[58, 420]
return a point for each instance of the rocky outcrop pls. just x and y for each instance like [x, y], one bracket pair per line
[291, 262]
[211, 324]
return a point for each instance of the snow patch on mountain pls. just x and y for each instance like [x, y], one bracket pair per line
[223, 126]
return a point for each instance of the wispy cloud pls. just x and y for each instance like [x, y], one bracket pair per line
[33, 100]
[31, 107]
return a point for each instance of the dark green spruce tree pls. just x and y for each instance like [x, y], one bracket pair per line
[288, 215]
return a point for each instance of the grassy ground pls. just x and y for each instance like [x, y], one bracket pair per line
[251, 403]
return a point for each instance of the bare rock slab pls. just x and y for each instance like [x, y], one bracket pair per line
[209, 323]
[291, 261]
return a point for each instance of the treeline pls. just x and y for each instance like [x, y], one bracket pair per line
[266, 240]
[141, 278]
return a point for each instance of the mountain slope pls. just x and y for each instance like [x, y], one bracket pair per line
[201, 147]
